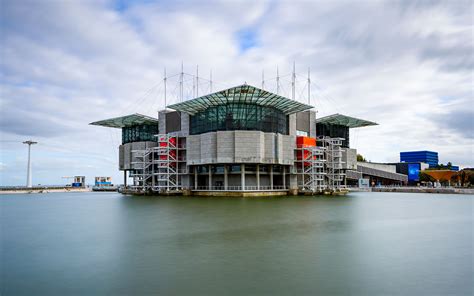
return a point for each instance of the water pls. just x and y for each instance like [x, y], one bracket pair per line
[363, 244]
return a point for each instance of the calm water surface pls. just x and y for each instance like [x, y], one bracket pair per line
[363, 244]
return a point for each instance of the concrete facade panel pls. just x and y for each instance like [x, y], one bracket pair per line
[162, 122]
[209, 147]
[240, 147]
[193, 149]
[225, 147]
[247, 146]
[184, 124]
[349, 158]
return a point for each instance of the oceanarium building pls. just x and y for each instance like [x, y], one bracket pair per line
[238, 141]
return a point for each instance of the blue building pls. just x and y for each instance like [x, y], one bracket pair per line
[428, 157]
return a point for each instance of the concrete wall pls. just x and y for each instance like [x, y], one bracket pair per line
[225, 147]
[378, 166]
[240, 147]
[287, 146]
[126, 156]
[247, 146]
[292, 124]
[312, 124]
[184, 124]
[349, 158]
[193, 147]
[208, 147]
[162, 122]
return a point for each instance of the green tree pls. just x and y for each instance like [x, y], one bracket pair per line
[471, 178]
[360, 158]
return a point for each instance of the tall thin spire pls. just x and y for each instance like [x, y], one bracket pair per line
[194, 86]
[164, 82]
[181, 78]
[309, 86]
[197, 81]
[210, 81]
[293, 81]
[278, 82]
[28, 172]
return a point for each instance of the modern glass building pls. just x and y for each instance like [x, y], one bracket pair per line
[239, 141]
[428, 157]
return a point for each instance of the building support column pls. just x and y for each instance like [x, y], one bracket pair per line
[195, 178]
[284, 177]
[242, 176]
[226, 177]
[125, 178]
[271, 177]
[210, 177]
[258, 177]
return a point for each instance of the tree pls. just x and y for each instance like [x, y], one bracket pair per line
[360, 158]
[471, 178]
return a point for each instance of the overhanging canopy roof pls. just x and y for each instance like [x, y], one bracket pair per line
[241, 94]
[126, 121]
[339, 119]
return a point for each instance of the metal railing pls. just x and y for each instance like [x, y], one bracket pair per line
[240, 188]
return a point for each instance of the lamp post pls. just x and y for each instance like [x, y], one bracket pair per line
[28, 177]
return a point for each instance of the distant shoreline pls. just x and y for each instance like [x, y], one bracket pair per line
[43, 190]
[372, 189]
[416, 190]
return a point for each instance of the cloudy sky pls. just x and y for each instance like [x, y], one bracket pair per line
[407, 65]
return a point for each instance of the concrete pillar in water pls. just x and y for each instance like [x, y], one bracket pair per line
[271, 177]
[258, 177]
[284, 177]
[210, 177]
[242, 176]
[195, 178]
[226, 181]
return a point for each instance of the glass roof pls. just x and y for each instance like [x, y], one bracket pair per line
[126, 121]
[344, 120]
[241, 94]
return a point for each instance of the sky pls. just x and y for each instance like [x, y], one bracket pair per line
[407, 65]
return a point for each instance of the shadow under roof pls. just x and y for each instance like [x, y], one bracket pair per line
[241, 94]
[339, 119]
[126, 121]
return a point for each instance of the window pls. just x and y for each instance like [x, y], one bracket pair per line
[239, 116]
[139, 133]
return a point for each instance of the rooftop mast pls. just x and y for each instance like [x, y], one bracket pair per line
[164, 81]
[309, 86]
[197, 81]
[293, 80]
[181, 78]
[278, 82]
[210, 81]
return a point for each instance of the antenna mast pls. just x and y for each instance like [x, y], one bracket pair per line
[181, 78]
[210, 81]
[197, 81]
[278, 82]
[164, 81]
[309, 86]
[293, 79]
[263, 79]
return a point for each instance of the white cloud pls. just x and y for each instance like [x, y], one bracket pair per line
[67, 63]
